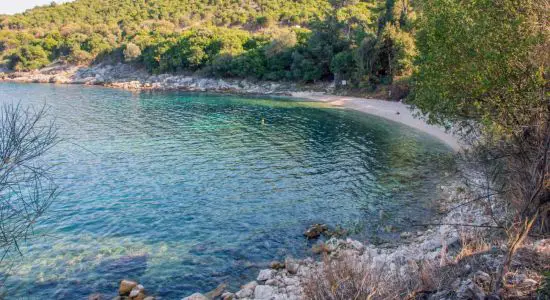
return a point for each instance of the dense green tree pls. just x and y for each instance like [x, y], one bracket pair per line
[28, 58]
[471, 65]
[131, 52]
[360, 41]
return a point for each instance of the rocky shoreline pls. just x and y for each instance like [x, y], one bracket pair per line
[128, 77]
[439, 247]
[435, 245]
[286, 280]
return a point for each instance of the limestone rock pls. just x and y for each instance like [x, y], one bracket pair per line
[264, 292]
[291, 265]
[218, 291]
[244, 293]
[291, 281]
[247, 290]
[273, 282]
[265, 275]
[126, 286]
[251, 285]
[405, 235]
[355, 245]
[196, 296]
[137, 293]
[228, 296]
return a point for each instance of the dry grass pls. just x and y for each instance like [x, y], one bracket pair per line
[472, 242]
[344, 278]
[479, 257]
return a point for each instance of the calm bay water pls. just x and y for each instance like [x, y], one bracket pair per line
[184, 191]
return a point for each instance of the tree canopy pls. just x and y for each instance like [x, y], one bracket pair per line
[483, 60]
[363, 42]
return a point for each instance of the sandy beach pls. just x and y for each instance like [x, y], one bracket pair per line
[394, 111]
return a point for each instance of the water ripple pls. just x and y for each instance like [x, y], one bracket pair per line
[183, 192]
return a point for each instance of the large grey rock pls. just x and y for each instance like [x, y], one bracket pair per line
[196, 296]
[273, 282]
[264, 292]
[265, 275]
[291, 265]
[247, 290]
[431, 245]
[251, 285]
[291, 281]
[244, 293]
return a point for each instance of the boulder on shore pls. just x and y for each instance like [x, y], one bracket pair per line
[196, 296]
[126, 286]
[291, 265]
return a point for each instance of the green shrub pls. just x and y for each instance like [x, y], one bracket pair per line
[131, 52]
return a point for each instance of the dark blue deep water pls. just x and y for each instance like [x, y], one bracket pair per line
[184, 191]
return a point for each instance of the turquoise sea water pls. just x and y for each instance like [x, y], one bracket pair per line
[184, 191]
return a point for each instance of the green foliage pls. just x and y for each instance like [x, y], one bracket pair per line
[254, 39]
[472, 65]
[265, 21]
[27, 58]
[131, 52]
[342, 65]
[400, 49]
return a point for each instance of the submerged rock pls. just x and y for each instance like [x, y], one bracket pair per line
[95, 297]
[218, 291]
[315, 231]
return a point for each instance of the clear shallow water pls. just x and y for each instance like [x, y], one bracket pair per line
[185, 191]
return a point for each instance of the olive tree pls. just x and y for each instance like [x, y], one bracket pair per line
[131, 52]
[26, 185]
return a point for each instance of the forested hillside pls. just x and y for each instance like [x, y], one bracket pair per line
[363, 42]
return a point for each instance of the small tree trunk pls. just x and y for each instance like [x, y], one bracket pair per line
[514, 245]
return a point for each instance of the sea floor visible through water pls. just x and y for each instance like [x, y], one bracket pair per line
[184, 191]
